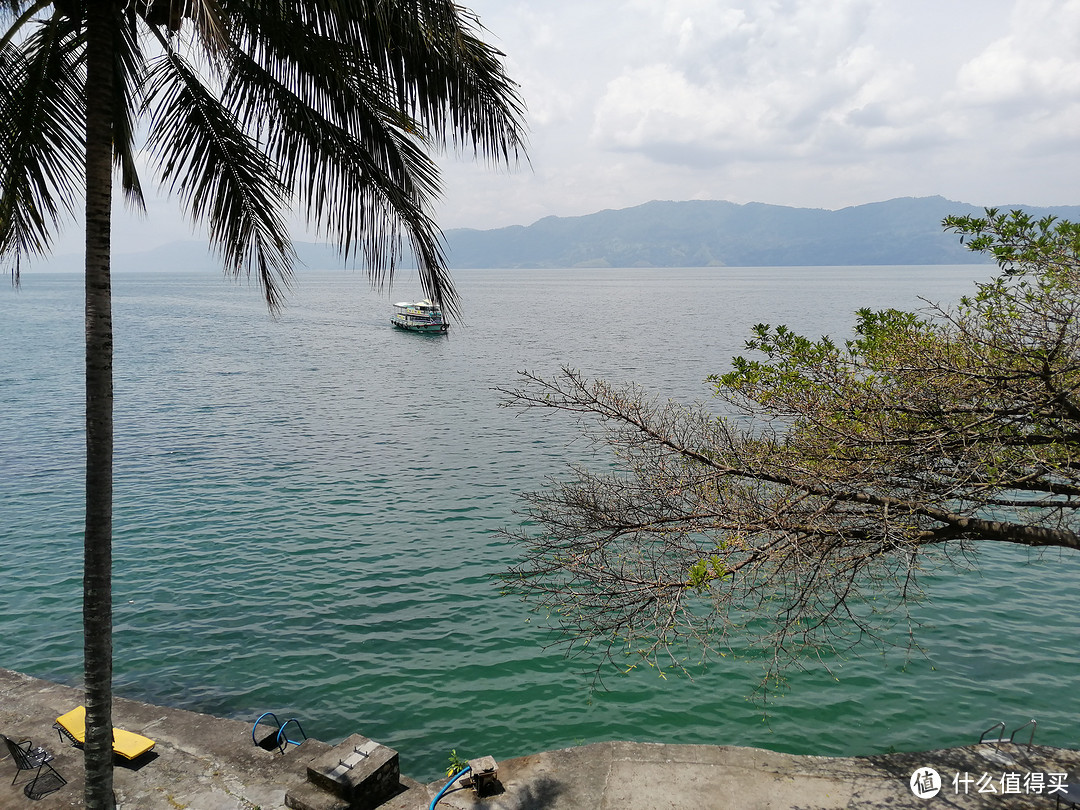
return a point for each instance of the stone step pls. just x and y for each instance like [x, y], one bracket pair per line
[310, 797]
[413, 796]
[410, 795]
[359, 771]
[307, 751]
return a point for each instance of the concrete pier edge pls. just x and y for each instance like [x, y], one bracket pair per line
[202, 762]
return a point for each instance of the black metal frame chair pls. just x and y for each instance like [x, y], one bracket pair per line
[1069, 796]
[28, 758]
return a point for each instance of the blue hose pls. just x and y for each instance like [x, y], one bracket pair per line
[446, 787]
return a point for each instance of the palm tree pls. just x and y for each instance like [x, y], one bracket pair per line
[249, 109]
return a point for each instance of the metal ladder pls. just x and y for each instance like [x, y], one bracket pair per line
[281, 738]
[1001, 738]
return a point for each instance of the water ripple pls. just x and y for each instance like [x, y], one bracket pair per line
[306, 511]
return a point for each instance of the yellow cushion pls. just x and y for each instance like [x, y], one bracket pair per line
[75, 723]
[125, 743]
[130, 745]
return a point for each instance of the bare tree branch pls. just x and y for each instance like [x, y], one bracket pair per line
[798, 523]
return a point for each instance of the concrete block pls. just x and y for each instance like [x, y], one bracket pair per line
[484, 775]
[360, 771]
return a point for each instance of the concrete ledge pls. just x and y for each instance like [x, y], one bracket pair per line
[199, 762]
[207, 763]
[641, 776]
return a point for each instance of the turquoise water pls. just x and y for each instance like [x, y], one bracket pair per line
[307, 511]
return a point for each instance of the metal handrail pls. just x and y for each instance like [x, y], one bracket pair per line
[1033, 723]
[261, 716]
[999, 724]
[281, 739]
[284, 743]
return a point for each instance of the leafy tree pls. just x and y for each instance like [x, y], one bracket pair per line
[796, 524]
[249, 109]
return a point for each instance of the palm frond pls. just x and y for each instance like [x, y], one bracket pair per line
[13, 9]
[360, 174]
[335, 103]
[19, 12]
[443, 73]
[41, 103]
[398, 77]
[220, 174]
[127, 84]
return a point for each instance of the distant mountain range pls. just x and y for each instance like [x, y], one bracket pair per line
[694, 233]
[702, 233]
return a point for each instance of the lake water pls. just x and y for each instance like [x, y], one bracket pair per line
[308, 507]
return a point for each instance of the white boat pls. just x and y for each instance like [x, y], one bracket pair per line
[422, 316]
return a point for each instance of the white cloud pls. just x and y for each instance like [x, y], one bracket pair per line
[821, 103]
[784, 81]
[1021, 91]
[1037, 62]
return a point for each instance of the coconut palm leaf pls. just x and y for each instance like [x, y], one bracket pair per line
[127, 75]
[41, 81]
[220, 173]
[397, 77]
[356, 170]
[17, 13]
[446, 75]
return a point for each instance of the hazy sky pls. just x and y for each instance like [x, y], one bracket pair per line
[820, 103]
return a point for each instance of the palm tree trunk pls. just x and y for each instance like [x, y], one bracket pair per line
[97, 562]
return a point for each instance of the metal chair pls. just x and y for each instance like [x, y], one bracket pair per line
[28, 758]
